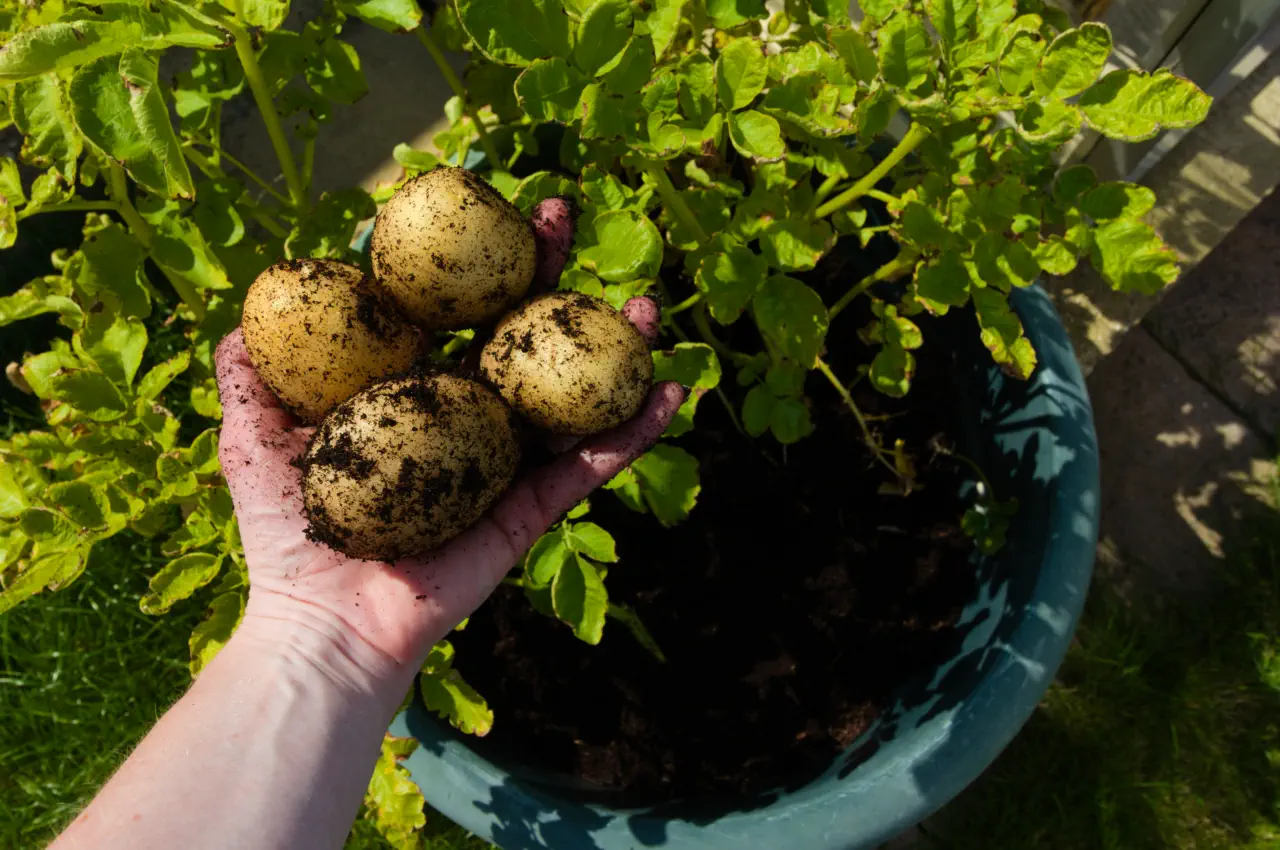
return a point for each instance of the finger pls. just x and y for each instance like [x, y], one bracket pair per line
[552, 222]
[646, 316]
[259, 438]
[454, 580]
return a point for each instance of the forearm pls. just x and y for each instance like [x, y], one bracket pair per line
[272, 747]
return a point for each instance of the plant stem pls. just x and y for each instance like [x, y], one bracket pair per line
[915, 135]
[245, 170]
[437, 55]
[823, 192]
[308, 158]
[72, 206]
[685, 304]
[882, 196]
[267, 107]
[270, 224]
[867, 436]
[118, 188]
[658, 174]
[895, 268]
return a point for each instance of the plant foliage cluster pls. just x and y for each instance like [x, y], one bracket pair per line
[717, 152]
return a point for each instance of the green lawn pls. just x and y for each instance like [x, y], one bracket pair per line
[1163, 731]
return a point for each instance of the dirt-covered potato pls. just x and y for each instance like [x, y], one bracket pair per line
[319, 331]
[407, 464]
[452, 251]
[569, 363]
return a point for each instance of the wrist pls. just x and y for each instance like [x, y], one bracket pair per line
[309, 642]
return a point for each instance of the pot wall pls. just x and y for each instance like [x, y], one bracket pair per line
[1036, 441]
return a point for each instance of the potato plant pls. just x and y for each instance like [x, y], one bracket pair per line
[715, 150]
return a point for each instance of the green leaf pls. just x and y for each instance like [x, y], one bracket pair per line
[580, 600]
[42, 112]
[880, 9]
[1132, 258]
[13, 497]
[943, 283]
[178, 579]
[667, 477]
[592, 541]
[386, 15]
[626, 487]
[851, 46]
[790, 421]
[894, 365]
[51, 569]
[42, 295]
[329, 229]
[1002, 333]
[334, 72]
[757, 410]
[605, 116]
[906, 58]
[263, 14]
[810, 103]
[1004, 263]
[549, 90]
[793, 244]
[1073, 182]
[1073, 61]
[729, 280]
[1055, 256]
[987, 523]
[697, 94]
[92, 393]
[393, 798]
[414, 160]
[1134, 106]
[89, 32]
[11, 197]
[756, 135]
[1052, 122]
[1117, 200]
[602, 36]
[516, 32]
[119, 107]
[1019, 60]
[993, 15]
[213, 632]
[633, 68]
[83, 504]
[727, 14]
[923, 225]
[114, 343]
[546, 558]
[741, 73]
[449, 696]
[179, 248]
[693, 365]
[214, 77]
[626, 246]
[953, 19]
[662, 23]
[793, 316]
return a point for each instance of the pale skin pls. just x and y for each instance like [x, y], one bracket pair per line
[274, 744]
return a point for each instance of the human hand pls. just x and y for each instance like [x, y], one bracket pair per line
[395, 610]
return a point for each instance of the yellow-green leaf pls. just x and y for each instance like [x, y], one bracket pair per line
[1073, 61]
[1133, 105]
[178, 579]
[741, 72]
[393, 798]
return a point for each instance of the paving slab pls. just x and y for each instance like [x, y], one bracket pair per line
[1179, 469]
[1223, 320]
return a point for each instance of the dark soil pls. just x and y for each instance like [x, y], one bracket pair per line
[792, 605]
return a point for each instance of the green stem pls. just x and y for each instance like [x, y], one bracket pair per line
[658, 174]
[824, 191]
[72, 206]
[308, 158]
[915, 135]
[882, 196]
[895, 268]
[244, 169]
[118, 188]
[446, 70]
[270, 224]
[685, 304]
[266, 106]
[867, 436]
[457, 343]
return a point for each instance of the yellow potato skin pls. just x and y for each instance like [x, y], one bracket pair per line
[452, 251]
[569, 363]
[406, 465]
[319, 331]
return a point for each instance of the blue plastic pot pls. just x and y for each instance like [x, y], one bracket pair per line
[1036, 441]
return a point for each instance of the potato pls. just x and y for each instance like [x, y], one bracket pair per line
[452, 251]
[569, 363]
[407, 464]
[319, 331]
